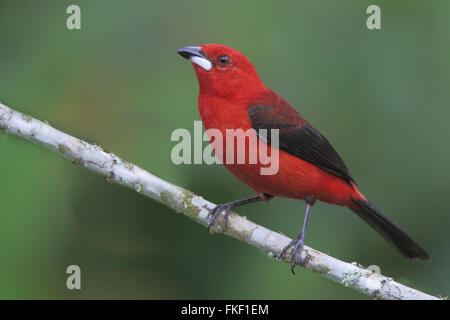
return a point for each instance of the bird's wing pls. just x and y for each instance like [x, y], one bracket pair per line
[298, 137]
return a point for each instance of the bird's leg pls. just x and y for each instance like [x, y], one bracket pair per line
[297, 244]
[230, 206]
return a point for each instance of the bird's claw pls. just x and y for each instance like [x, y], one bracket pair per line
[296, 252]
[214, 214]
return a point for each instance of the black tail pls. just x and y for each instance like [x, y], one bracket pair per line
[395, 235]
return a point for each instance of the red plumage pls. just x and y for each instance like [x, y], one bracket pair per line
[223, 103]
[232, 96]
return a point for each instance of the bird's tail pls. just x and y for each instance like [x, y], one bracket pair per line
[392, 232]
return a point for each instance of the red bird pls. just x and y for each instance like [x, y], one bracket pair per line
[232, 96]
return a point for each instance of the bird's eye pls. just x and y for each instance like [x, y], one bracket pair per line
[224, 60]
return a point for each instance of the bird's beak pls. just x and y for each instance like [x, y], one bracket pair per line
[195, 54]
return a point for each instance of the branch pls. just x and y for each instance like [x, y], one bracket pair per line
[193, 206]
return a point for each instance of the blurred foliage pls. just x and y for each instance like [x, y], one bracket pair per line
[382, 97]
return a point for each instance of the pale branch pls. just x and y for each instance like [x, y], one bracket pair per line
[184, 201]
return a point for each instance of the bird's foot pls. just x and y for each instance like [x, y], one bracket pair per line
[214, 214]
[296, 252]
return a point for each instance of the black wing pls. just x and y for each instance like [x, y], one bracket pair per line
[299, 138]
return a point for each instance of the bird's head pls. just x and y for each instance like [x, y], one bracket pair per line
[223, 71]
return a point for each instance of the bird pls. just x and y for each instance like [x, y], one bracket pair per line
[232, 96]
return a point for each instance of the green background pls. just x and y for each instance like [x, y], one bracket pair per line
[381, 97]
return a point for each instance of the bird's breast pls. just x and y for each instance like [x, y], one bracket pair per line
[294, 177]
